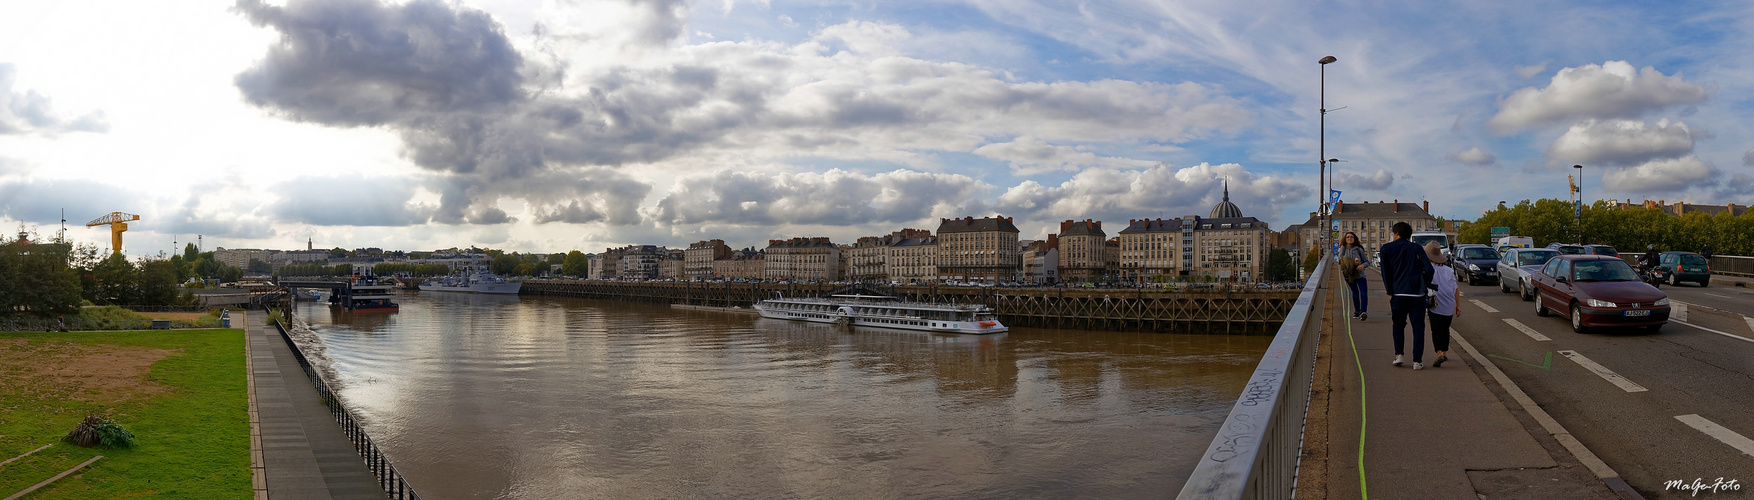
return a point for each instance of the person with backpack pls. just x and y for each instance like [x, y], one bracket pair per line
[1353, 260]
[1443, 309]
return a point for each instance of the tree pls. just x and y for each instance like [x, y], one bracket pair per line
[38, 278]
[337, 253]
[504, 265]
[191, 253]
[1312, 258]
[118, 282]
[158, 282]
[575, 264]
[258, 267]
[1280, 266]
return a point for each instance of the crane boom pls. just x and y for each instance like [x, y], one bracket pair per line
[118, 222]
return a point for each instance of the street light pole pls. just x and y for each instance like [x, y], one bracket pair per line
[1322, 152]
[1578, 208]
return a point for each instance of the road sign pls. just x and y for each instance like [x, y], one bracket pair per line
[1336, 225]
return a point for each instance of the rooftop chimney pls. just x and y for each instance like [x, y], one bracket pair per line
[1397, 206]
[1427, 206]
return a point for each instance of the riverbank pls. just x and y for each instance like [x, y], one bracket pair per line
[182, 394]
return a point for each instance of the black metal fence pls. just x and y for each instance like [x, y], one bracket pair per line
[391, 480]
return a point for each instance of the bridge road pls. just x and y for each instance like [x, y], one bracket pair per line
[1703, 373]
[1728, 298]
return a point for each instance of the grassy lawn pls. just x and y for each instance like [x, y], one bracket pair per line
[182, 393]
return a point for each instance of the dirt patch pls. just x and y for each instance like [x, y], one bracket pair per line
[185, 316]
[97, 374]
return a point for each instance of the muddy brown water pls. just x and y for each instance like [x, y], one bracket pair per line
[478, 397]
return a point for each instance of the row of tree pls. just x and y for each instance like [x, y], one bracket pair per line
[56, 277]
[1627, 229]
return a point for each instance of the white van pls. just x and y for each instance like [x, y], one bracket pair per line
[1422, 237]
[1515, 242]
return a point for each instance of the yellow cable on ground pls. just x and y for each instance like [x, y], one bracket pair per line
[1346, 302]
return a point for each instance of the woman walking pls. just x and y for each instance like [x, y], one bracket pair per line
[1353, 260]
[1447, 295]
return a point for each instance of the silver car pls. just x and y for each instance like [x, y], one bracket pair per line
[1517, 264]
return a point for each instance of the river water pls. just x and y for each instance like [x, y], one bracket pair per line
[478, 397]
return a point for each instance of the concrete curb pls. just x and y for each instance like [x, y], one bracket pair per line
[258, 474]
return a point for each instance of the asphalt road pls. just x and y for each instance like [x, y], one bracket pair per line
[1705, 377]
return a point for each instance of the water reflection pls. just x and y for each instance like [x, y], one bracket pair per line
[485, 397]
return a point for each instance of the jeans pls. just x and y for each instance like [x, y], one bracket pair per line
[1404, 309]
[1440, 332]
[1360, 294]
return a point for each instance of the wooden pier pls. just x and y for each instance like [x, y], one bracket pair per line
[1220, 311]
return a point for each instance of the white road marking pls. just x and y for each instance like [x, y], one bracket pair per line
[1719, 296]
[1483, 305]
[1718, 432]
[1750, 322]
[1678, 311]
[1526, 330]
[1559, 433]
[1726, 334]
[1603, 371]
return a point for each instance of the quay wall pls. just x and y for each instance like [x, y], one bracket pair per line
[1222, 311]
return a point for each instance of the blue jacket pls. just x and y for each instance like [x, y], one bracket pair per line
[1405, 269]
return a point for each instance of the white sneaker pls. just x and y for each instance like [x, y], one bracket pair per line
[1397, 360]
[1418, 366]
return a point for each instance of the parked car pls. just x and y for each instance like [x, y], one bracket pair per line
[1516, 267]
[1598, 291]
[1682, 267]
[1601, 250]
[1567, 248]
[1475, 263]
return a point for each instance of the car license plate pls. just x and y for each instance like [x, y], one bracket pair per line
[1638, 312]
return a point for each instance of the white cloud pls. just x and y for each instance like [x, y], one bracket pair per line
[1748, 158]
[1612, 90]
[835, 197]
[1159, 191]
[1622, 142]
[1531, 70]
[1381, 180]
[1660, 176]
[30, 112]
[1474, 156]
[1028, 155]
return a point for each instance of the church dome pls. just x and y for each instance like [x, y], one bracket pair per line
[1225, 209]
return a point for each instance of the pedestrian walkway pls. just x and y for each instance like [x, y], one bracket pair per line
[304, 453]
[1437, 433]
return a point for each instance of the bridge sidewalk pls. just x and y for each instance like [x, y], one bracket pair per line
[1438, 433]
[304, 453]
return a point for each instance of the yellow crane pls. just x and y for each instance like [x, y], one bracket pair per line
[118, 222]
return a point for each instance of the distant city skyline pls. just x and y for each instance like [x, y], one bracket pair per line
[544, 126]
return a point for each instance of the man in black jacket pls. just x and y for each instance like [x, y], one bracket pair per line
[1406, 274]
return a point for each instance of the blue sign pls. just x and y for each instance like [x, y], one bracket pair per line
[1336, 225]
[1334, 195]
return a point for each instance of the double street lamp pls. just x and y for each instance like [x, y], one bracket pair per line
[1577, 207]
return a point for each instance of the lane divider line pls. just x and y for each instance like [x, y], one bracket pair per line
[1726, 334]
[1571, 444]
[1603, 371]
[1526, 330]
[1363, 491]
[1750, 322]
[1739, 442]
[1719, 296]
[1483, 305]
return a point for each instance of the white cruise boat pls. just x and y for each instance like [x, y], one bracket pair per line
[483, 282]
[884, 312]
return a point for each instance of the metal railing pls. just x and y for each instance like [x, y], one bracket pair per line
[394, 484]
[1733, 265]
[1256, 453]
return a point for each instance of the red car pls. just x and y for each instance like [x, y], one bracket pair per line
[1598, 291]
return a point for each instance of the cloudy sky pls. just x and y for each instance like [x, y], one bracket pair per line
[551, 125]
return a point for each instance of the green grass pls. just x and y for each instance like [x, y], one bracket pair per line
[193, 439]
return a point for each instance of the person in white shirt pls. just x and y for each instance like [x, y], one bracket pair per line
[1448, 294]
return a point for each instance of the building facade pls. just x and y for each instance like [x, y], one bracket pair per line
[803, 259]
[1083, 251]
[1372, 221]
[1041, 261]
[912, 260]
[1154, 250]
[744, 265]
[867, 260]
[640, 262]
[982, 250]
[697, 260]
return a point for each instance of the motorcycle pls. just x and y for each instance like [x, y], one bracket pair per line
[1647, 273]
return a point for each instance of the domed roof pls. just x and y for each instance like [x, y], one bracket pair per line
[1225, 208]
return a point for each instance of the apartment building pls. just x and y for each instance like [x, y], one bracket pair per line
[983, 250]
[1083, 251]
[912, 260]
[867, 259]
[697, 260]
[1372, 222]
[1041, 261]
[803, 259]
[745, 264]
[1155, 250]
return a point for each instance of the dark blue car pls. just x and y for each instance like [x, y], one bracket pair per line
[1476, 264]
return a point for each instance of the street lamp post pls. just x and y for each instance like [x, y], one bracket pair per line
[1322, 149]
[1578, 207]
